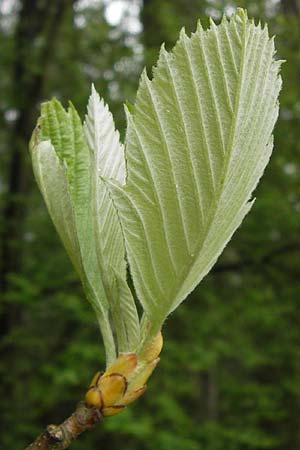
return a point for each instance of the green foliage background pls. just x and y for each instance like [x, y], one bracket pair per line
[229, 376]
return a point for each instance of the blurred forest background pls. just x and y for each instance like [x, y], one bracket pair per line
[229, 377]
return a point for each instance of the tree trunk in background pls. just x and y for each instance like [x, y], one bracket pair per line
[34, 45]
[36, 31]
[291, 7]
[212, 395]
[35, 35]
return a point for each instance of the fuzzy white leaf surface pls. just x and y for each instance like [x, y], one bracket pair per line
[104, 140]
[108, 162]
[198, 141]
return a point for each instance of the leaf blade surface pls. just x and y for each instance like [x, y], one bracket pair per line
[197, 143]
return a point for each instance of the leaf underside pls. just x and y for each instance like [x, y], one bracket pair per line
[198, 140]
[69, 161]
[108, 162]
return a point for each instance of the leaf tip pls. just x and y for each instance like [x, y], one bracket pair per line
[72, 111]
[95, 96]
[129, 108]
[144, 76]
[182, 33]
[212, 23]
[224, 19]
[55, 103]
[240, 15]
[199, 26]
[162, 50]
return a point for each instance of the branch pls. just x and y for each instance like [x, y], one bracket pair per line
[58, 437]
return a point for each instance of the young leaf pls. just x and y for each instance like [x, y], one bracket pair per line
[68, 173]
[59, 141]
[108, 161]
[52, 181]
[198, 140]
[104, 140]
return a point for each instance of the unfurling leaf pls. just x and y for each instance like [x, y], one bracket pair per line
[198, 140]
[123, 381]
[69, 162]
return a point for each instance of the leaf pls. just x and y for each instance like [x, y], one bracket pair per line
[198, 141]
[107, 161]
[69, 161]
[63, 129]
[104, 140]
[51, 178]
[65, 132]
[128, 313]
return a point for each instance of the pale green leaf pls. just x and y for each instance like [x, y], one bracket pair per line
[104, 140]
[51, 178]
[107, 161]
[63, 129]
[69, 162]
[128, 313]
[198, 140]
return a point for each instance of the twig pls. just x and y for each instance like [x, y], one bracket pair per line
[58, 437]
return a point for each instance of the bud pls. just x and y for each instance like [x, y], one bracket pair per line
[124, 364]
[134, 394]
[125, 380]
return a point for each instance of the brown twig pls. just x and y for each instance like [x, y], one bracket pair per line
[58, 437]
